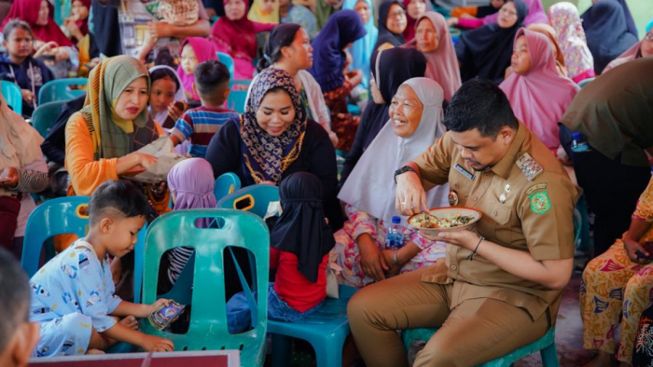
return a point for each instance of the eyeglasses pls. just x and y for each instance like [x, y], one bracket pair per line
[649, 36]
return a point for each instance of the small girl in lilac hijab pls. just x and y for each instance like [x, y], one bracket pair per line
[191, 184]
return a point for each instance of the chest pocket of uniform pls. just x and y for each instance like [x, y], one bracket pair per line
[503, 228]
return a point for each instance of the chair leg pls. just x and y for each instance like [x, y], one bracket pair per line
[280, 350]
[329, 353]
[549, 356]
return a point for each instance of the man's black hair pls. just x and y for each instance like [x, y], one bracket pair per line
[479, 104]
[14, 297]
[122, 196]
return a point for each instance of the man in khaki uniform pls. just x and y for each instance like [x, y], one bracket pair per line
[500, 287]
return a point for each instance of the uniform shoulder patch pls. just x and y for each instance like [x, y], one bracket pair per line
[540, 202]
[529, 166]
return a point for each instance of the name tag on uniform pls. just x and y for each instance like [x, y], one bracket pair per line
[463, 171]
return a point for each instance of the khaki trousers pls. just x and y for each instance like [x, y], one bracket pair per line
[476, 331]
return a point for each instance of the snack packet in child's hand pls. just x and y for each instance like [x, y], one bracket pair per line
[166, 315]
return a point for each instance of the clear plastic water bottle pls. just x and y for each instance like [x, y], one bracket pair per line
[578, 143]
[395, 236]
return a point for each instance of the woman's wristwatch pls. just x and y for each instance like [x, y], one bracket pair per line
[403, 169]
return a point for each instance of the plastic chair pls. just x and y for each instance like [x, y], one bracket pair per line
[238, 95]
[13, 97]
[45, 115]
[254, 198]
[59, 90]
[326, 331]
[226, 184]
[545, 345]
[208, 320]
[228, 61]
[583, 83]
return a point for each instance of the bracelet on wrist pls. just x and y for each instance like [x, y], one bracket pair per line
[480, 239]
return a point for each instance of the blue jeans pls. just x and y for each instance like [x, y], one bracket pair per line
[239, 313]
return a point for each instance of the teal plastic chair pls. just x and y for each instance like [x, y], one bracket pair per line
[326, 331]
[45, 115]
[62, 10]
[254, 198]
[13, 97]
[583, 83]
[228, 61]
[60, 90]
[545, 345]
[226, 184]
[53, 217]
[208, 320]
[238, 95]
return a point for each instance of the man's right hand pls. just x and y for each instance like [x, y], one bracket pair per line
[410, 197]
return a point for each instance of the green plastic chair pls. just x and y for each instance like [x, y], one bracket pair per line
[11, 92]
[254, 198]
[226, 184]
[208, 320]
[228, 61]
[45, 115]
[59, 90]
[583, 83]
[545, 345]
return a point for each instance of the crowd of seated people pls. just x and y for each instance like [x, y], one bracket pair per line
[361, 113]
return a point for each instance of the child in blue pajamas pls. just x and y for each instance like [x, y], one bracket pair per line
[73, 296]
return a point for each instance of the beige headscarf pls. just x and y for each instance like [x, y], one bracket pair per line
[20, 144]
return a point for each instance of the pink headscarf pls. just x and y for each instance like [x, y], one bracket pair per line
[28, 10]
[541, 96]
[536, 14]
[571, 38]
[238, 39]
[630, 54]
[442, 64]
[204, 51]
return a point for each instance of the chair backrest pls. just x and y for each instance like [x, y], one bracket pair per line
[45, 115]
[59, 90]
[254, 198]
[228, 61]
[208, 327]
[62, 215]
[11, 92]
[238, 95]
[226, 184]
[583, 83]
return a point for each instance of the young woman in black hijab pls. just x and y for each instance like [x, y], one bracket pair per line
[485, 52]
[390, 68]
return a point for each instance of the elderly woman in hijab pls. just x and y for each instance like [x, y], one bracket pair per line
[415, 124]
[643, 48]
[392, 23]
[22, 171]
[538, 95]
[342, 29]
[578, 59]
[390, 68]
[432, 38]
[485, 52]
[103, 138]
[274, 138]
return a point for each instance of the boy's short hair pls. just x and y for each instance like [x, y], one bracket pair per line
[479, 104]
[13, 24]
[120, 196]
[210, 78]
[14, 297]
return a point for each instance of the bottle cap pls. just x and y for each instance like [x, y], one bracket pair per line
[576, 135]
[396, 219]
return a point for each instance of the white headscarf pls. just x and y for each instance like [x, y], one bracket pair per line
[370, 187]
[160, 117]
[20, 144]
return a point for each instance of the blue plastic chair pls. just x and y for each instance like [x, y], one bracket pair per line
[45, 115]
[53, 217]
[226, 184]
[228, 61]
[59, 90]
[326, 331]
[238, 95]
[545, 345]
[254, 198]
[13, 97]
[208, 320]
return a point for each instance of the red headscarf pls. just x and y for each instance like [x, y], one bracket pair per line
[82, 24]
[28, 10]
[409, 32]
[238, 39]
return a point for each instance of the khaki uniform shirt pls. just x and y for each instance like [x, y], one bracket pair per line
[527, 209]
